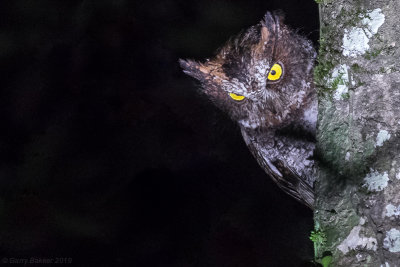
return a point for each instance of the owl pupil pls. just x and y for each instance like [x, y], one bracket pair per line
[273, 72]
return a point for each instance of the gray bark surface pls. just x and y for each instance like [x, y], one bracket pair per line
[358, 141]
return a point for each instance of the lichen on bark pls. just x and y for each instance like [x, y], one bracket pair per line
[358, 132]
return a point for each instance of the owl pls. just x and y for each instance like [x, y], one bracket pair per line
[263, 79]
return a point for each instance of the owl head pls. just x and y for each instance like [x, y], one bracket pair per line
[262, 77]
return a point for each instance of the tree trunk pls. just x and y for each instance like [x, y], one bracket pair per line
[357, 213]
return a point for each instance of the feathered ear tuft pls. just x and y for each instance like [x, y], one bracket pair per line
[271, 25]
[279, 16]
[268, 21]
[268, 29]
[272, 18]
[192, 68]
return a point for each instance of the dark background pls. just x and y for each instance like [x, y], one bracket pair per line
[109, 156]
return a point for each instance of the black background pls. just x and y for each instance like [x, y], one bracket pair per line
[109, 156]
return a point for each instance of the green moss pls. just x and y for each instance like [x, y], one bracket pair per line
[389, 50]
[346, 96]
[326, 261]
[318, 237]
[326, 62]
[373, 54]
[335, 83]
[321, 72]
[352, 17]
[323, 68]
[356, 68]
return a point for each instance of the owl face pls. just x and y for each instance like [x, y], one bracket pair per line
[261, 77]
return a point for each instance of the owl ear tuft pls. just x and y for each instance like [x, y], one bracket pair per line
[268, 21]
[271, 25]
[272, 18]
[267, 28]
[279, 16]
[192, 68]
[210, 72]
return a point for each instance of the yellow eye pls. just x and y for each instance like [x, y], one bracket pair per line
[236, 97]
[275, 72]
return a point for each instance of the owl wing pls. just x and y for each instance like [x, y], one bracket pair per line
[286, 177]
[293, 184]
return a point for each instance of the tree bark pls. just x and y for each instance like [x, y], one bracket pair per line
[357, 211]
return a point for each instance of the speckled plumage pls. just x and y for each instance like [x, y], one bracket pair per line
[277, 118]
